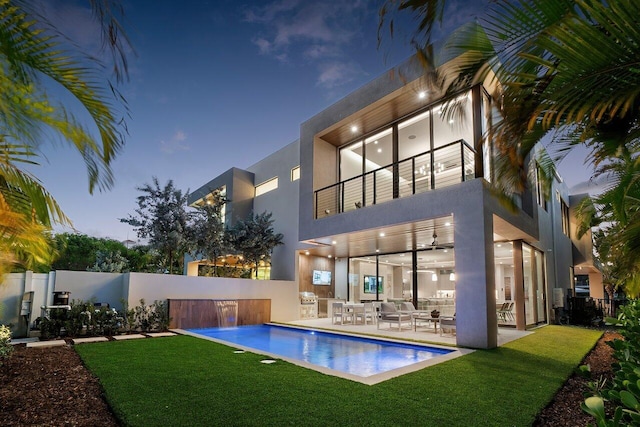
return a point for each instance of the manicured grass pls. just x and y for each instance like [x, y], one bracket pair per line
[188, 381]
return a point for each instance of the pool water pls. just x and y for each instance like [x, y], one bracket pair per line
[362, 357]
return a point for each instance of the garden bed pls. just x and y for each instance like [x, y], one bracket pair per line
[51, 386]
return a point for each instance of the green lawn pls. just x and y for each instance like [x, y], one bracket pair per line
[188, 381]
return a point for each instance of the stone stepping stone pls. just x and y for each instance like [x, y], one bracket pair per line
[128, 337]
[52, 343]
[161, 334]
[89, 340]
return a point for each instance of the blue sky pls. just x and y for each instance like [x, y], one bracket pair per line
[223, 83]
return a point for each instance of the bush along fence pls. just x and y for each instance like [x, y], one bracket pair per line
[86, 319]
[622, 395]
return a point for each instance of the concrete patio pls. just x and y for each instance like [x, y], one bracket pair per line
[425, 334]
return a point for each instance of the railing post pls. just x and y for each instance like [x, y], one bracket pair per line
[375, 187]
[413, 175]
[341, 202]
[316, 204]
[462, 178]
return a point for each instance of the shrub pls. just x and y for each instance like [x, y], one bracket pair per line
[5, 342]
[624, 392]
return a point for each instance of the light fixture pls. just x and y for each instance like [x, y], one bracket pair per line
[328, 256]
[354, 129]
[375, 142]
[379, 150]
[333, 242]
[306, 252]
[422, 95]
[435, 239]
[377, 250]
[381, 234]
[452, 276]
[434, 277]
[451, 121]
[447, 224]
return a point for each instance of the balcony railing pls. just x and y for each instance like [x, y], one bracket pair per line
[447, 165]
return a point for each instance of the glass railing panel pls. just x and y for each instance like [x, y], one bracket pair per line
[422, 173]
[327, 201]
[469, 163]
[352, 194]
[405, 178]
[447, 166]
[369, 194]
[384, 184]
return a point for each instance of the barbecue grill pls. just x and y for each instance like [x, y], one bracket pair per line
[308, 305]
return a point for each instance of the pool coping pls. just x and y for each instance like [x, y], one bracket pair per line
[371, 380]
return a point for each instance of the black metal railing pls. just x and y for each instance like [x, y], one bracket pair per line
[447, 165]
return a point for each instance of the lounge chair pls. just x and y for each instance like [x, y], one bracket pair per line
[448, 323]
[390, 315]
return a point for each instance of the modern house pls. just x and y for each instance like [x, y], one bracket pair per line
[386, 196]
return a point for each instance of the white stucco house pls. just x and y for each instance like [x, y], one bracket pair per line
[385, 198]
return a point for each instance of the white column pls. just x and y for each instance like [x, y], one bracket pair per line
[476, 321]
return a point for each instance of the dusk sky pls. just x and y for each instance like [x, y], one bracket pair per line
[224, 83]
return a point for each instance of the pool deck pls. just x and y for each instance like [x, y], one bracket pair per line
[426, 335]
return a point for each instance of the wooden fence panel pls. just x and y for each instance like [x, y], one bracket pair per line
[202, 313]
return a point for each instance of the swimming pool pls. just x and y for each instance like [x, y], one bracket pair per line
[354, 356]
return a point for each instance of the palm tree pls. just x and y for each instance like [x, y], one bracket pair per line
[33, 57]
[565, 68]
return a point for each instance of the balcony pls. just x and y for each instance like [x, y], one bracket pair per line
[447, 165]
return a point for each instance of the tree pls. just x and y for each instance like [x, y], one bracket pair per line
[162, 218]
[34, 56]
[210, 239]
[110, 262]
[79, 252]
[255, 239]
[566, 70]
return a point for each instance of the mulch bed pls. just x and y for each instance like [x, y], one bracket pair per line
[51, 387]
[564, 409]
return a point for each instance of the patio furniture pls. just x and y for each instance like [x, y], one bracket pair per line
[370, 313]
[425, 318]
[506, 312]
[340, 312]
[357, 311]
[448, 323]
[390, 315]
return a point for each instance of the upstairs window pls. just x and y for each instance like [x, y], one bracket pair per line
[564, 209]
[266, 186]
[295, 173]
[540, 190]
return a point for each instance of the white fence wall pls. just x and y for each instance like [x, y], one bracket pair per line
[283, 294]
[113, 287]
[11, 292]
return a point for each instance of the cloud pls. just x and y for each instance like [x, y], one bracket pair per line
[311, 33]
[335, 74]
[176, 143]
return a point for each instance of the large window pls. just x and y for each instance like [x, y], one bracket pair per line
[432, 149]
[564, 209]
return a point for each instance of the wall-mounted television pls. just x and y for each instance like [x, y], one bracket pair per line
[321, 277]
[370, 284]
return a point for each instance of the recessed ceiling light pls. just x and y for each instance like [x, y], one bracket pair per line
[379, 150]
[333, 242]
[375, 142]
[499, 245]
[422, 95]
[328, 256]
[381, 234]
[447, 224]
[306, 252]
[377, 250]
[354, 129]
[446, 250]
[451, 121]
